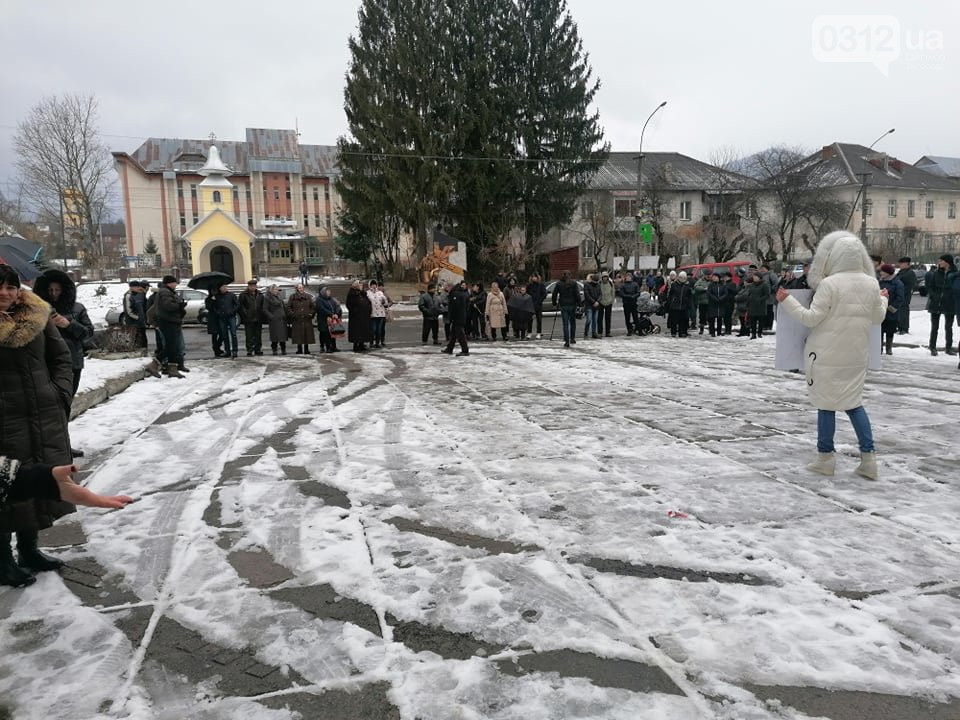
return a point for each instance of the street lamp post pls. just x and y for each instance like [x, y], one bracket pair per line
[640, 202]
[870, 147]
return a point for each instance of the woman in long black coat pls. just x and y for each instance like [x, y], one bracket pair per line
[359, 329]
[276, 314]
[300, 310]
[36, 388]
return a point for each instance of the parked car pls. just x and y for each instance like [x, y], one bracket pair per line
[196, 312]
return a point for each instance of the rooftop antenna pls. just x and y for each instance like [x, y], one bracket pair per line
[296, 126]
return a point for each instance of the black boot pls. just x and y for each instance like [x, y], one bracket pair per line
[10, 572]
[29, 555]
[889, 345]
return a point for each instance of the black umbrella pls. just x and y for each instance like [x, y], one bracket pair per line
[29, 249]
[19, 262]
[209, 281]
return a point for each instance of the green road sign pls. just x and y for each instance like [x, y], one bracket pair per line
[645, 231]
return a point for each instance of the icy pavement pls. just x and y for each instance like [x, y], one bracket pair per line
[623, 530]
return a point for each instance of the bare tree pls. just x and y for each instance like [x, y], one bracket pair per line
[602, 228]
[65, 169]
[732, 200]
[657, 194]
[801, 200]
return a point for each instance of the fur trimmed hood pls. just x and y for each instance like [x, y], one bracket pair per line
[68, 294]
[26, 319]
[838, 252]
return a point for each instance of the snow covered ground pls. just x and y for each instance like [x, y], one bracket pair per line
[622, 530]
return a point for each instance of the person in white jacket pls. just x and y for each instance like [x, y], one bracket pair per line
[847, 301]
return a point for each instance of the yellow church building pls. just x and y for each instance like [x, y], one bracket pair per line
[218, 241]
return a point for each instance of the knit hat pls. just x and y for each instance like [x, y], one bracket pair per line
[682, 276]
[167, 279]
[947, 258]
[134, 283]
[887, 268]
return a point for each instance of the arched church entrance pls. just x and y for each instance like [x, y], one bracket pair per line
[221, 260]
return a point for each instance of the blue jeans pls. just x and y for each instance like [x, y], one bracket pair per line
[590, 317]
[228, 334]
[827, 426]
[568, 316]
[378, 327]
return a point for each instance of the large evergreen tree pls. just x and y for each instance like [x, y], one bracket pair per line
[470, 113]
[560, 137]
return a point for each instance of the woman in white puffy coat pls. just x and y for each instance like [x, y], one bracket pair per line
[847, 301]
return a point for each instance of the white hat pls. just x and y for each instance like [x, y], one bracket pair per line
[682, 275]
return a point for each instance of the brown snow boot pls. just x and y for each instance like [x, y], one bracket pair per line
[154, 368]
[173, 371]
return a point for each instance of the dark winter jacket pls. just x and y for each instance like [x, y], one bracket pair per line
[680, 296]
[300, 311]
[700, 290]
[537, 292]
[478, 304]
[250, 307]
[327, 307]
[520, 308]
[80, 327]
[758, 297]
[895, 296]
[908, 278]
[742, 299]
[799, 283]
[719, 297]
[276, 314]
[429, 306]
[170, 307]
[939, 285]
[359, 329]
[225, 305]
[457, 303]
[134, 308]
[566, 293]
[629, 292]
[591, 294]
[36, 388]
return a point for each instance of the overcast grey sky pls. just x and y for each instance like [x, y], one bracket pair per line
[740, 74]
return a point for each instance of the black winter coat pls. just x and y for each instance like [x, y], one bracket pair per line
[170, 308]
[629, 292]
[758, 295]
[457, 303]
[939, 293]
[250, 308]
[680, 296]
[566, 293]
[537, 292]
[36, 388]
[719, 298]
[225, 305]
[591, 293]
[80, 327]
[359, 329]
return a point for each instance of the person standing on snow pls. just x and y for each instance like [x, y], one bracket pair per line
[847, 301]
[894, 289]
[938, 284]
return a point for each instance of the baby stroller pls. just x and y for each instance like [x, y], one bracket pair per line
[647, 306]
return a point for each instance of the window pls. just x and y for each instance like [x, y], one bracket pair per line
[623, 208]
[179, 189]
[276, 193]
[326, 192]
[911, 208]
[587, 248]
[868, 204]
[236, 193]
[306, 221]
[952, 210]
[288, 192]
[193, 191]
[249, 223]
[246, 192]
[196, 219]
[929, 208]
[280, 251]
[316, 220]
[750, 209]
[183, 221]
[586, 209]
[316, 193]
[891, 208]
[216, 197]
[685, 208]
[927, 242]
[304, 193]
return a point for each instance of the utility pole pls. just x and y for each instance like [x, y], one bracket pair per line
[640, 200]
[867, 179]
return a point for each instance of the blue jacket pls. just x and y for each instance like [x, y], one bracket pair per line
[894, 289]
